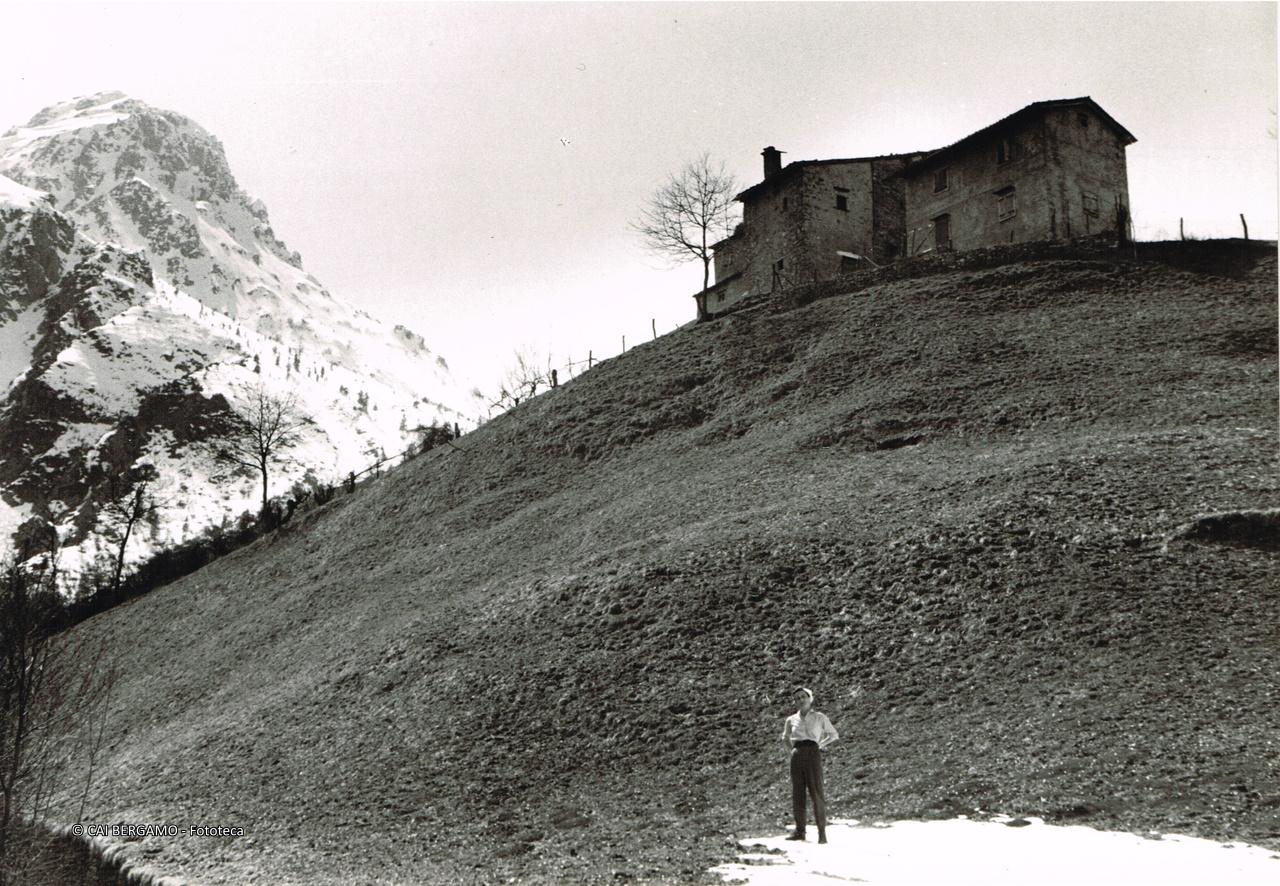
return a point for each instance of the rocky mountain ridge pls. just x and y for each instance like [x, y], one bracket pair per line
[143, 295]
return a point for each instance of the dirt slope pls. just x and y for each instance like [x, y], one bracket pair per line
[560, 654]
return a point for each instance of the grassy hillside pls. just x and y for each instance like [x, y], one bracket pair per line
[562, 651]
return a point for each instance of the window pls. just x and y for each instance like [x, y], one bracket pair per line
[1006, 203]
[842, 202]
[940, 182]
[1090, 202]
[1082, 120]
[777, 266]
[1007, 150]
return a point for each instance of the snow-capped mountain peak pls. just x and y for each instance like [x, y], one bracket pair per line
[136, 276]
[95, 110]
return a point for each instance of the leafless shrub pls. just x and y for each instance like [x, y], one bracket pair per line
[55, 696]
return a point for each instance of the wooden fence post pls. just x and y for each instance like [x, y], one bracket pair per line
[1181, 235]
[1245, 225]
[624, 344]
[653, 321]
[590, 359]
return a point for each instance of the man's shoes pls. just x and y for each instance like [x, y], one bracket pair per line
[796, 835]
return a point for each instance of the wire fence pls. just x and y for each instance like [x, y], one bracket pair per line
[625, 343]
[527, 379]
[530, 378]
[1203, 227]
[532, 374]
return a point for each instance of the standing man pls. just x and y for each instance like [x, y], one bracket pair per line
[806, 733]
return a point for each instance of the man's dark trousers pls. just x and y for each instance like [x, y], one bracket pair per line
[806, 775]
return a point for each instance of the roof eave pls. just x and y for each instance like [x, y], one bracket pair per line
[796, 165]
[1126, 137]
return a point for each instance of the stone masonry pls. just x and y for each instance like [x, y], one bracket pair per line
[1054, 170]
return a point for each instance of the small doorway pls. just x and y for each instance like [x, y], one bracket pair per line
[942, 232]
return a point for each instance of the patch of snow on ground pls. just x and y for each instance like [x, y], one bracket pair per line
[991, 853]
[11, 518]
[17, 339]
[191, 493]
[87, 435]
[20, 196]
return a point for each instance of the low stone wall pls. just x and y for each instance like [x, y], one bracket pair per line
[1217, 256]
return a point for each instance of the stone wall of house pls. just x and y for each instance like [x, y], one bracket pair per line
[1091, 179]
[974, 174]
[772, 230]
[888, 208]
[1066, 173]
[721, 297]
[729, 257]
[792, 231]
[828, 228]
[1059, 174]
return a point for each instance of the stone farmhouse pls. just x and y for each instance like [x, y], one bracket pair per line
[1051, 171]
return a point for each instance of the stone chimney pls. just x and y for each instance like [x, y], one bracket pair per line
[772, 161]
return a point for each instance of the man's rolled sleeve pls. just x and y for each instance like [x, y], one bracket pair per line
[829, 733]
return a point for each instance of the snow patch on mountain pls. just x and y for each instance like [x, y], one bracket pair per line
[16, 196]
[78, 113]
[17, 339]
[142, 295]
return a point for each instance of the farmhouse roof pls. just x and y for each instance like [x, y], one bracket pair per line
[792, 168]
[1033, 109]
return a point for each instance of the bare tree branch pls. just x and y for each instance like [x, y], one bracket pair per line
[123, 510]
[269, 426]
[54, 701]
[693, 210]
[520, 382]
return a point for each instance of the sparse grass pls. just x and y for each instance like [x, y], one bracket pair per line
[562, 655]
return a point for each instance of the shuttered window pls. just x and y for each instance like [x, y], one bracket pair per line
[1006, 203]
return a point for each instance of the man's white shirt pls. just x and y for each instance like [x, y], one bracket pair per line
[813, 726]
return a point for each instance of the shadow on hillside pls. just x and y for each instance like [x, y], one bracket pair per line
[1220, 258]
[1248, 529]
[60, 859]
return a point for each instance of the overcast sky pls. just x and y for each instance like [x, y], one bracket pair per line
[469, 170]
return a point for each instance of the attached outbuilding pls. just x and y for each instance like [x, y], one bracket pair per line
[798, 220]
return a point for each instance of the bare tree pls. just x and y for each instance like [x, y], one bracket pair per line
[268, 426]
[522, 380]
[123, 510]
[693, 210]
[54, 700]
